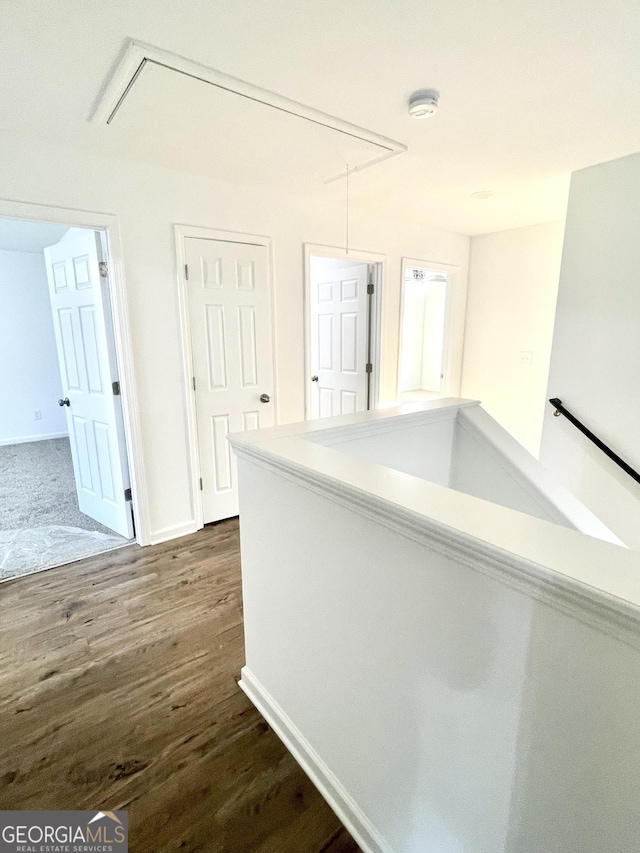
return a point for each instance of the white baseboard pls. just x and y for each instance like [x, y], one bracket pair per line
[354, 819]
[25, 439]
[173, 532]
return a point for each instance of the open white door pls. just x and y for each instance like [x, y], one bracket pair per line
[81, 319]
[230, 322]
[339, 323]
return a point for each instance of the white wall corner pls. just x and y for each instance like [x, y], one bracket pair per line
[164, 534]
[348, 811]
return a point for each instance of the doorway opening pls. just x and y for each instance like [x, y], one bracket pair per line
[225, 289]
[65, 488]
[342, 296]
[424, 331]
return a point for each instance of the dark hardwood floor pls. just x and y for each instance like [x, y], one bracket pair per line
[118, 691]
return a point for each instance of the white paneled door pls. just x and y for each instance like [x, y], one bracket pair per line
[84, 334]
[339, 319]
[230, 322]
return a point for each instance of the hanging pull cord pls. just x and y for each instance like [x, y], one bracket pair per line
[346, 242]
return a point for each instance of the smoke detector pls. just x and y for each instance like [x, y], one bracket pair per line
[424, 103]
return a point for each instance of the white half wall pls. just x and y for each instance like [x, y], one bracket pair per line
[513, 285]
[595, 363]
[148, 201]
[445, 693]
[29, 374]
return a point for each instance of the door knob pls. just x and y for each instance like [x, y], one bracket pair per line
[314, 378]
[264, 398]
[64, 402]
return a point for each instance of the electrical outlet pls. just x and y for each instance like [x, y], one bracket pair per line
[37, 415]
[526, 358]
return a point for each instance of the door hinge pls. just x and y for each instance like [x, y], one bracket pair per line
[370, 289]
[104, 269]
[186, 271]
[127, 495]
[115, 387]
[369, 368]
[194, 382]
[200, 483]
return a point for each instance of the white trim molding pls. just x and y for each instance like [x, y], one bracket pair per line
[341, 802]
[108, 224]
[27, 439]
[137, 55]
[203, 233]
[412, 643]
[365, 429]
[172, 532]
[596, 582]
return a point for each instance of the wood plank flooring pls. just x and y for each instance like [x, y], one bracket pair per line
[118, 691]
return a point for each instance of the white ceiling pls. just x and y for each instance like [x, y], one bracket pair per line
[17, 235]
[190, 125]
[529, 90]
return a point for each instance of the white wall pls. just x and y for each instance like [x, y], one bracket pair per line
[423, 324]
[147, 201]
[29, 374]
[513, 284]
[595, 364]
[320, 266]
[443, 704]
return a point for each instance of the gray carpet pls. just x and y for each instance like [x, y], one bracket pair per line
[37, 487]
[41, 525]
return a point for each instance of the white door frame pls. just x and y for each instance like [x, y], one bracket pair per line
[338, 254]
[451, 359]
[203, 233]
[108, 224]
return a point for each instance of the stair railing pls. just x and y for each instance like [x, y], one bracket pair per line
[561, 410]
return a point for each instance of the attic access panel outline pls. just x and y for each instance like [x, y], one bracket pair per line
[137, 55]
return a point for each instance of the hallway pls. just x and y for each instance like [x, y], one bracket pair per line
[118, 690]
